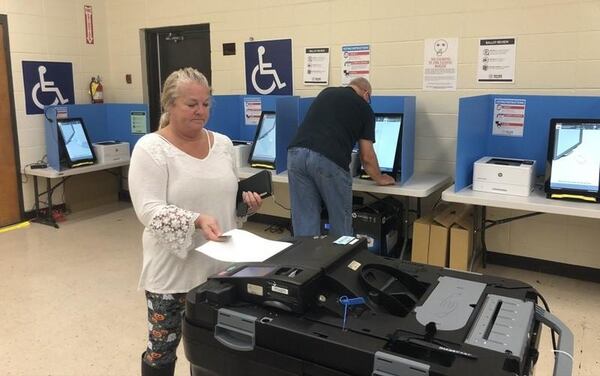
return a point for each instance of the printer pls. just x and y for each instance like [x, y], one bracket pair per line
[329, 307]
[507, 176]
[111, 151]
[241, 152]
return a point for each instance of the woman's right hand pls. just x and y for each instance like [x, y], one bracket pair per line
[209, 227]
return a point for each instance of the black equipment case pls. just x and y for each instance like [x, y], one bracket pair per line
[321, 308]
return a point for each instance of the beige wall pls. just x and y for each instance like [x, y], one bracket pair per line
[51, 30]
[557, 54]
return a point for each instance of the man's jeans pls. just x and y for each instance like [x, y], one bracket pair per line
[312, 178]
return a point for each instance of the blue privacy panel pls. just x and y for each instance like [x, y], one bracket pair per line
[408, 139]
[304, 106]
[288, 119]
[225, 114]
[474, 122]
[118, 121]
[229, 118]
[475, 138]
[103, 122]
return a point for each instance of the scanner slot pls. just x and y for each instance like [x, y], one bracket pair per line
[490, 326]
[406, 346]
[289, 272]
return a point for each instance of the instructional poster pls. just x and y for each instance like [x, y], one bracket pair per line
[509, 117]
[138, 122]
[440, 64]
[316, 66]
[356, 62]
[496, 60]
[252, 110]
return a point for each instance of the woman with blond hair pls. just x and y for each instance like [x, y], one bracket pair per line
[183, 184]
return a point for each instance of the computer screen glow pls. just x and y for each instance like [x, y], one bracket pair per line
[264, 143]
[387, 132]
[76, 143]
[576, 159]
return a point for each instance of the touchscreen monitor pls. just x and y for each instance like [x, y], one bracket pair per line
[76, 148]
[388, 143]
[262, 153]
[573, 165]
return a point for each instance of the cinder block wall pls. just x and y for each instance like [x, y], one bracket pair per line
[557, 54]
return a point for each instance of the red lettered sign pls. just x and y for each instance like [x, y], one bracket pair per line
[89, 24]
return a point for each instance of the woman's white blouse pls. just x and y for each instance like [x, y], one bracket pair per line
[169, 190]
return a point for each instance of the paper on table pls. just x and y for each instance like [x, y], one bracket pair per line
[242, 246]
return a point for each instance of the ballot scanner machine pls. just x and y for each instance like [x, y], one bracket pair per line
[327, 308]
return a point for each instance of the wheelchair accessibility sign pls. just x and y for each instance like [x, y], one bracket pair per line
[269, 67]
[47, 83]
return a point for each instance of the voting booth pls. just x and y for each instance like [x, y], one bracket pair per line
[481, 129]
[237, 117]
[125, 123]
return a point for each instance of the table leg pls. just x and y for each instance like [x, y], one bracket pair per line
[120, 182]
[37, 197]
[483, 245]
[49, 195]
[405, 216]
[48, 219]
[478, 239]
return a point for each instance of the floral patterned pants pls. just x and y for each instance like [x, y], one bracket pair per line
[165, 312]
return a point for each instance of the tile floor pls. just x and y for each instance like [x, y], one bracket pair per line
[71, 307]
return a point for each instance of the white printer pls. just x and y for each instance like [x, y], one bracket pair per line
[241, 153]
[111, 151]
[504, 175]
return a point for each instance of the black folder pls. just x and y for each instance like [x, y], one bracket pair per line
[261, 183]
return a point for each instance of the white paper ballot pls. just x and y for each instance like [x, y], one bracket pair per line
[242, 246]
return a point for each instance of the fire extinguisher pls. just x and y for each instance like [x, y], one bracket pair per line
[96, 90]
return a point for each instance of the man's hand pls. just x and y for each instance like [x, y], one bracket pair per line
[370, 164]
[385, 180]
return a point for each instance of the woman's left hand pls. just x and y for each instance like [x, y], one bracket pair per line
[253, 200]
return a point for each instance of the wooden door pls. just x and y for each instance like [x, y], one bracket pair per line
[11, 202]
